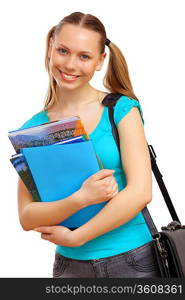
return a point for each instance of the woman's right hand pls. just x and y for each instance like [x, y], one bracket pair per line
[99, 187]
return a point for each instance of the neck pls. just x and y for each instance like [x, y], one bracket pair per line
[76, 99]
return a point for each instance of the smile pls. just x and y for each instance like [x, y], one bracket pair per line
[68, 77]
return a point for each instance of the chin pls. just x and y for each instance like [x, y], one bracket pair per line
[70, 86]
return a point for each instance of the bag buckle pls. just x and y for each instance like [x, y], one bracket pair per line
[162, 250]
[172, 226]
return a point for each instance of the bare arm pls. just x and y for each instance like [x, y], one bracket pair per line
[99, 187]
[33, 214]
[138, 192]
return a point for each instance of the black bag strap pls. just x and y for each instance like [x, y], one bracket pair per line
[110, 101]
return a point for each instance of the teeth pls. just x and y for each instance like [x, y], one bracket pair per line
[68, 76]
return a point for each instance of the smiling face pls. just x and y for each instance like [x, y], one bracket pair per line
[74, 55]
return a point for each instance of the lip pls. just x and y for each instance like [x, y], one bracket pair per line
[69, 80]
[69, 74]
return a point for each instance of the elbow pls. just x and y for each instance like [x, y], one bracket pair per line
[24, 222]
[146, 197]
[143, 200]
[145, 194]
[148, 200]
[25, 226]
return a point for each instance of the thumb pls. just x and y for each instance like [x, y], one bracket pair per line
[102, 174]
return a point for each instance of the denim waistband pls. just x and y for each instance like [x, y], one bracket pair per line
[109, 257]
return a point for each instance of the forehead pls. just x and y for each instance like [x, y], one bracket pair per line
[78, 38]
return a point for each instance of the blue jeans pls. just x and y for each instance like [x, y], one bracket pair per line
[136, 263]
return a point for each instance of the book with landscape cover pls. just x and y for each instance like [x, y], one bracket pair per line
[47, 133]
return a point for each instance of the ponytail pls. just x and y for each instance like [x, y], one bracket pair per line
[117, 77]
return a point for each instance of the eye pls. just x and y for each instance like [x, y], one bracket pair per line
[85, 57]
[62, 50]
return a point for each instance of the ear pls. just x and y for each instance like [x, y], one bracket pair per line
[50, 47]
[101, 61]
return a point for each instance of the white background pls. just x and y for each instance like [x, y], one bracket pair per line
[151, 37]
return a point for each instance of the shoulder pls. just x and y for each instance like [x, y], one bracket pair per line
[36, 119]
[123, 106]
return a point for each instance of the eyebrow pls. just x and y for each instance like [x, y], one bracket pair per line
[79, 52]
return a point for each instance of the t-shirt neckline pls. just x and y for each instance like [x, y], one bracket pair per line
[97, 126]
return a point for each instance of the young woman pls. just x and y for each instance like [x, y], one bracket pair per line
[116, 242]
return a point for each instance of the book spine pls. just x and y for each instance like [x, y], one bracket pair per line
[80, 129]
[24, 172]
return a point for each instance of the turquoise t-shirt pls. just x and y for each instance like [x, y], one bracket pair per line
[135, 232]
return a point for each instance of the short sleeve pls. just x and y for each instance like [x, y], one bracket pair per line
[123, 106]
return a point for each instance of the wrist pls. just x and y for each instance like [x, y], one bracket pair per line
[80, 199]
[76, 239]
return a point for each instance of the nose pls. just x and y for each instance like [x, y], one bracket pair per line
[70, 63]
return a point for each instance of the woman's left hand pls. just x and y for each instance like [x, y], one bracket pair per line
[58, 235]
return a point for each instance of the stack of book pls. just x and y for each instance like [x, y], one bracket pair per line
[53, 160]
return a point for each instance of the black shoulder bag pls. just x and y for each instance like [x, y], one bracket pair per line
[169, 243]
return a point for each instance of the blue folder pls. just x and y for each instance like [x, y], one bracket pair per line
[59, 170]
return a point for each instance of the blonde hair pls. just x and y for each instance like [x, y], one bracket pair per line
[116, 79]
